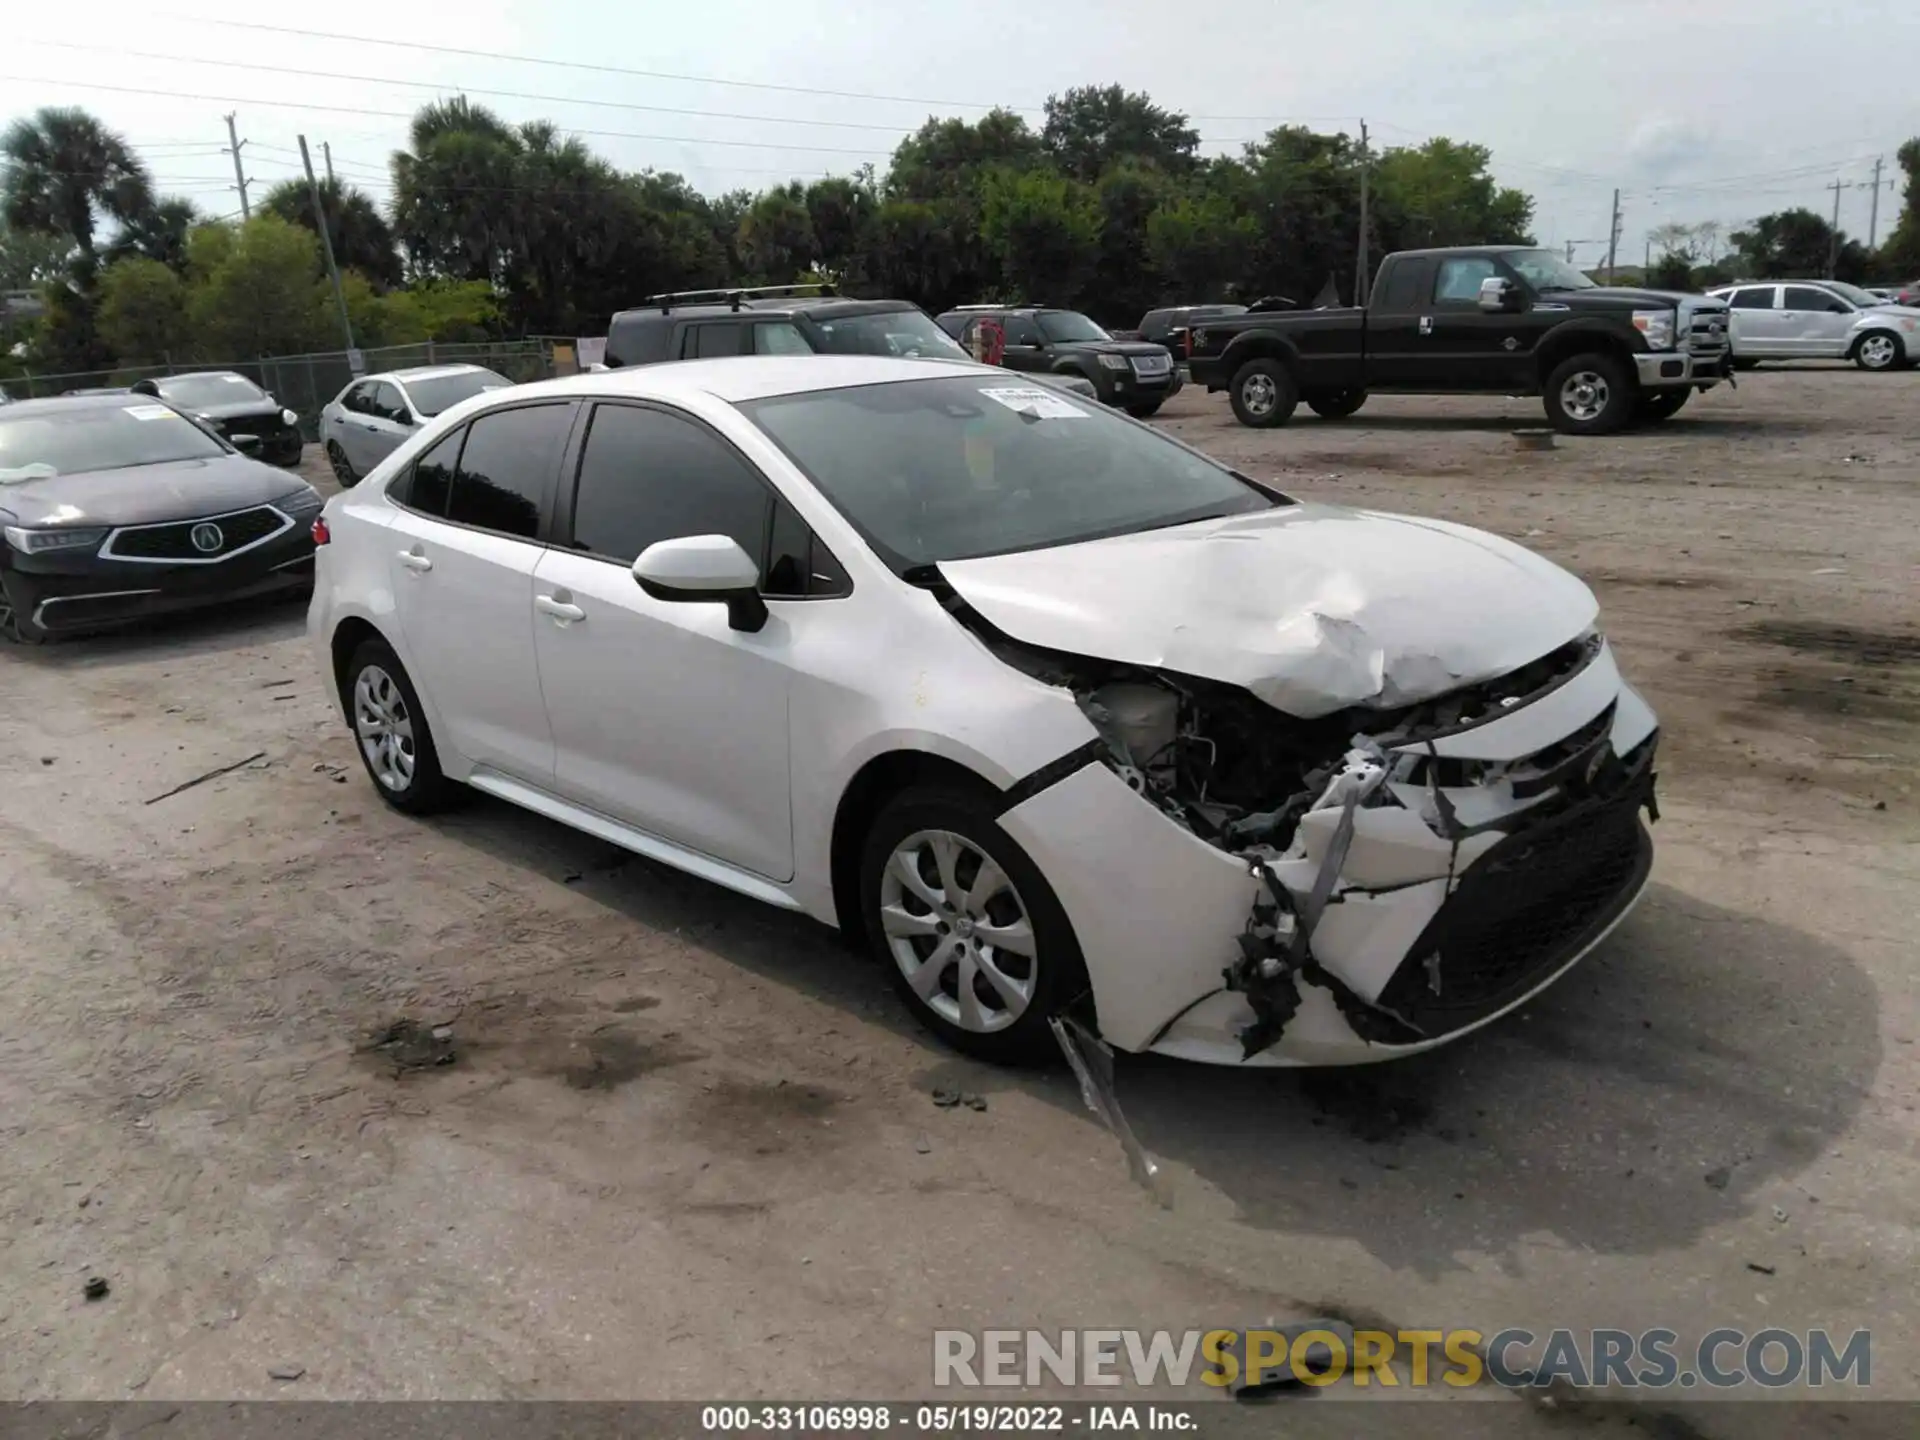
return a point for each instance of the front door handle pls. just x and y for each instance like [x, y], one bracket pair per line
[414, 560]
[558, 609]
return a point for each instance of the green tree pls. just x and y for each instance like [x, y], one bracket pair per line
[264, 295]
[1900, 256]
[362, 238]
[1441, 193]
[66, 174]
[912, 253]
[143, 311]
[1796, 244]
[838, 212]
[1302, 191]
[1126, 281]
[453, 192]
[1044, 231]
[158, 234]
[1201, 245]
[945, 159]
[30, 258]
[1092, 128]
[776, 235]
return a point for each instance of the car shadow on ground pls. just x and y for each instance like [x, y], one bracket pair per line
[1691, 1070]
[241, 625]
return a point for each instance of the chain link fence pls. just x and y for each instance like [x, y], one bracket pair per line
[305, 383]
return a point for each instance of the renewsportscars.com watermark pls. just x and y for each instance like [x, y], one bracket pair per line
[1231, 1360]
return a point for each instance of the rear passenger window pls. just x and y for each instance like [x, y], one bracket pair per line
[508, 467]
[1406, 284]
[425, 487]
[1754, 297]
[710, 342]
[646, 475]
[1458, 281]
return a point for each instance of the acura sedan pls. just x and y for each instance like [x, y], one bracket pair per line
[118, 507]
[369, 419]
[1052, 712]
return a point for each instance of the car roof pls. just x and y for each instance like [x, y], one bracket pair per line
[67, 404]
[429, 372]
[748, 377]
[199, 374]
[767, 308]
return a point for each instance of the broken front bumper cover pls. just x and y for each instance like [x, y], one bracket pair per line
[1424, 921]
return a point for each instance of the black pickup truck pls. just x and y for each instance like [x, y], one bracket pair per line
[1482, 320]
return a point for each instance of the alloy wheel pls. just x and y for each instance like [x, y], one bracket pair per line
[1877, 352]
[384, 726]
[1259, 394]
[1584, 396]
[959, 931]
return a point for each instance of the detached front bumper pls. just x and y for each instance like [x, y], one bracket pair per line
[1670, 369]
[1427, 934]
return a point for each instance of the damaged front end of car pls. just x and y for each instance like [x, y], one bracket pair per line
[1349, 887]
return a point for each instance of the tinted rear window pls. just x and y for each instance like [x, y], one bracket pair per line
[435, 393]
[507, 469]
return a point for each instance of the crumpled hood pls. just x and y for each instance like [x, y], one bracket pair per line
[142, 494]
[1311, 608]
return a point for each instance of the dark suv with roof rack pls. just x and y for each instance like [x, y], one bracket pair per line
[772, 320]
[1134, 374]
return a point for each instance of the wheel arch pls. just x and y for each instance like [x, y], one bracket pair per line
[348, 636]
[875, 783]
[1570, 340]
[1853, 350]
[1258, 345]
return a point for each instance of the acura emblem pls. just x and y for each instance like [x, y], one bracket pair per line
[206, 537]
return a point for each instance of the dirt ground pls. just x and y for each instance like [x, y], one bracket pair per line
[688, 1150]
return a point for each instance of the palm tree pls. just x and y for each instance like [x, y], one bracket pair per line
[65, 172]
[362, 238]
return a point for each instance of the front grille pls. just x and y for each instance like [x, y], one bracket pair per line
[175, 541]
[1707, 335]
[1532, 901]
[1150, 365]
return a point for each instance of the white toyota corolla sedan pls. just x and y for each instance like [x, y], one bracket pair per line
[1057, 714]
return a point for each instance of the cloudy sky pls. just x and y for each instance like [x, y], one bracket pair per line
[1702, 110]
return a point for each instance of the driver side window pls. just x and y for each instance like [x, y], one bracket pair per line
[1022, 331]
[1457, 282]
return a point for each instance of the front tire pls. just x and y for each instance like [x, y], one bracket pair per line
[1336, 404]
[1590, 394]
[15, 624]
[1878, 350]
[1263, 394]
[1657, 405]
[342, 467]
[390, 731]
[968, 929]
[1145, 411]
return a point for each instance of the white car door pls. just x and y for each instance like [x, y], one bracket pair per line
[663, 715]
[1820, 320]
[388, 423]
[469, 528]
[1755, 317]
[350, 429]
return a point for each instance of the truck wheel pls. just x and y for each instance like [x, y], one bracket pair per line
[1336, 404]
[1589, 395]
[1263, 394]
[1662, 404]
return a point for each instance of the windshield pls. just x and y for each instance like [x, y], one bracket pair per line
[434, 393]
[1854, 293]
[897, 332]
[1064, 327]
[196, 392]
[92, 437]
[1544, 270]
[961, 466]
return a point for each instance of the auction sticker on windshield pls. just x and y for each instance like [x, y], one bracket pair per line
[149, 412]
[1034, 401]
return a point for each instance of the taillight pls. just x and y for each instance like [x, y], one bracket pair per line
[321, 535]
[1186, 343]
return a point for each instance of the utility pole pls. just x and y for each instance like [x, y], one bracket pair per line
[1613, 236]
[1360, 264]
[326, 154]
[326, 248]
[1873, 213]
[239, 176]
[1833, 238]
[1569, 252]
[1646, 265]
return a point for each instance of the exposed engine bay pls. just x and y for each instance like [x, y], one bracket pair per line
[1364, 827]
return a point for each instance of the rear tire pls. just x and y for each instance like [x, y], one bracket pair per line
[342, 467]
[1657, 405]
[1263, 394]
[391, 734]
[1336, 404]
[1590, 394]
[938, 876]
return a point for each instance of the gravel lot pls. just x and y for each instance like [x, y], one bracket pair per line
[688, 1149]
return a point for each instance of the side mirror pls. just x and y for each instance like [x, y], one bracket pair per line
[245, 444]
[145, 387]
[709, 568]
[1497, 293]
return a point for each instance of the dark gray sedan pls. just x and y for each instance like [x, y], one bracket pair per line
[119, 507]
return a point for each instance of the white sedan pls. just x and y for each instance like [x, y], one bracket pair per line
[1056, 714]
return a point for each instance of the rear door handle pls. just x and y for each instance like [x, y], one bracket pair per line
[414, 560]
[558, 609]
